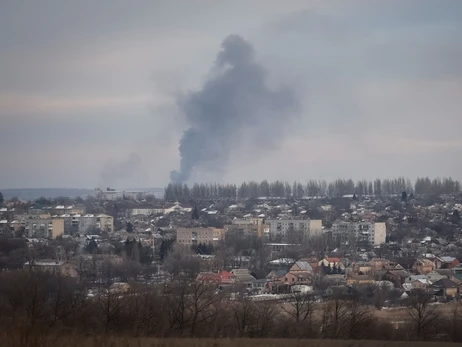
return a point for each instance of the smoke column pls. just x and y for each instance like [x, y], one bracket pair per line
[234, 107]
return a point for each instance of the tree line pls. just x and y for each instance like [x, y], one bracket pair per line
[34, 305]
[313, 188]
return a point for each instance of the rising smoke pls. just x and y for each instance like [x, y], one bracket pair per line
[234, 107]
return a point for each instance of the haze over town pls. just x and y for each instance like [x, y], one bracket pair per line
[101, 93]
[222, 173]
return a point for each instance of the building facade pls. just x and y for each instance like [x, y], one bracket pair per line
[48, 228]
[81, 224]
[194, 236]
[363, 232]
[295, 230]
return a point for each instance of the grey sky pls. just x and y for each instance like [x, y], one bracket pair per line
[88, 87]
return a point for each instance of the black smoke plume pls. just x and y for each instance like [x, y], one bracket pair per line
[234, 107]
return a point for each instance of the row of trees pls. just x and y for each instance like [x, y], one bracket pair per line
[339, 187]
[38, 304]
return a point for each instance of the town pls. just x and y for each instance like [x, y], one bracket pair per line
[374, 245]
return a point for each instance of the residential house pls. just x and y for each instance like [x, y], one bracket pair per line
[445, 287]
[445, 262]
[275, 279]
[377, 264]
[359, 268]
[332, 263]
[221, 278]
[359, 279]
[243, 276]
[413, 278]
[299, 277]
[259, 286]
[226, 277]
[423, 266]
[276, 275]
[301, 265]
[434, 276]
[397, 277]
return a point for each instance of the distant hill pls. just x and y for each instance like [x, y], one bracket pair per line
[35, 193]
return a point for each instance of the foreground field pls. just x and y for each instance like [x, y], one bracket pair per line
[131, 342]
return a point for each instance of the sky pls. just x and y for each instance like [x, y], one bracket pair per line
[90, 91]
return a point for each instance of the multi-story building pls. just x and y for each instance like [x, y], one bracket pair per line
[145, 211]
[246, 226]
[362, 232]
[56, 210]
[52, 266]
[299, 229]
[39, 227]
[193, 236]
[77, 223]
[110, 194]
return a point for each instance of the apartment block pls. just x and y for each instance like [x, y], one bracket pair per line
[247, 226]
[39, 227]
[285, 229]
[193, 236]
[81, 224]
[368, 232]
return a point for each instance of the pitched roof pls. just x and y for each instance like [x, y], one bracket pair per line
[444, 283]
[303, 265]
[445, 272]
[244, 278]
[278, 273]
[400, 273]
[207, 276]
[447, 259]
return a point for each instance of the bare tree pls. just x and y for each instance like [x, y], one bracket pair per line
[202, 298]
[334, 313]
[181, 261]
[77, 305]
[424, 316]
[58, 289]
[110, 305]
[357, 319]
[178, 314]
[244, 314]
[264, 317]
[300, 308]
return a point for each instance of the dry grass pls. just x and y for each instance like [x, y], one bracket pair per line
[401, 314]
[146, 342]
